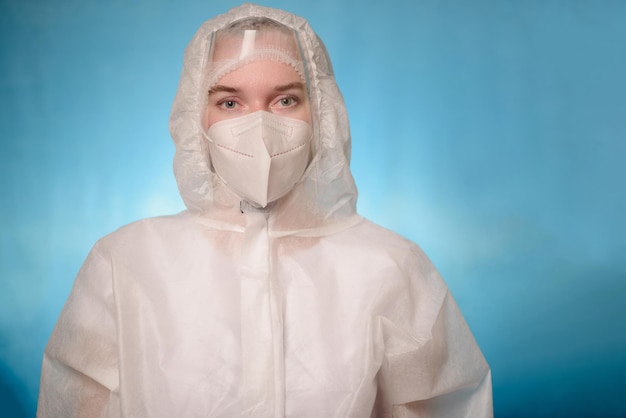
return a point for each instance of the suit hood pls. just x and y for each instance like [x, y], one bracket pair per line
[326, 195]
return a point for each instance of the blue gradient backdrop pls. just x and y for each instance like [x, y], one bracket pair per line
[493, 133]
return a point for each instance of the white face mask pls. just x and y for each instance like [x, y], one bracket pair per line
[260, 156]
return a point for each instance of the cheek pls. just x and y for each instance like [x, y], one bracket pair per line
[301, 112]
[305, 114]
[209, 118]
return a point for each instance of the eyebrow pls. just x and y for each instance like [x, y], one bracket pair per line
[219, 87]
[284, 87]
[290, 86]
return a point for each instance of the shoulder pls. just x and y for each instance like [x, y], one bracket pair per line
[148, 230]
[368, 235]
[382, 252]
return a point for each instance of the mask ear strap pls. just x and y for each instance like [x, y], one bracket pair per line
[205, 134]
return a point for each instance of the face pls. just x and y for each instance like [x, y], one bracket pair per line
[271, 86]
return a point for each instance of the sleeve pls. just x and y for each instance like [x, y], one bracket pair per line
[432, 365]
[79, 376]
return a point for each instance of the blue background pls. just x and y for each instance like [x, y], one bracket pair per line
[491, 132]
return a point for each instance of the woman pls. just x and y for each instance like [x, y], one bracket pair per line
[269, 296]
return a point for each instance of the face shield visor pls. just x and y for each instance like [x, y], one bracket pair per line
[249, 40]
[257, 118]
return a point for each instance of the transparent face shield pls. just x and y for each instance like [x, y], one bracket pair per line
[250, 40]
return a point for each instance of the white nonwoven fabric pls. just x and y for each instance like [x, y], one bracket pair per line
[302, 309]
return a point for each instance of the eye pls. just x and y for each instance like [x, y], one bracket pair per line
[287, 101]
[228, 104]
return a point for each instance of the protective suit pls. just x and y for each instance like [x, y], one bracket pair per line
[295, 307]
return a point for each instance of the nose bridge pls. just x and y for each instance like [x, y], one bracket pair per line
[257, 104]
